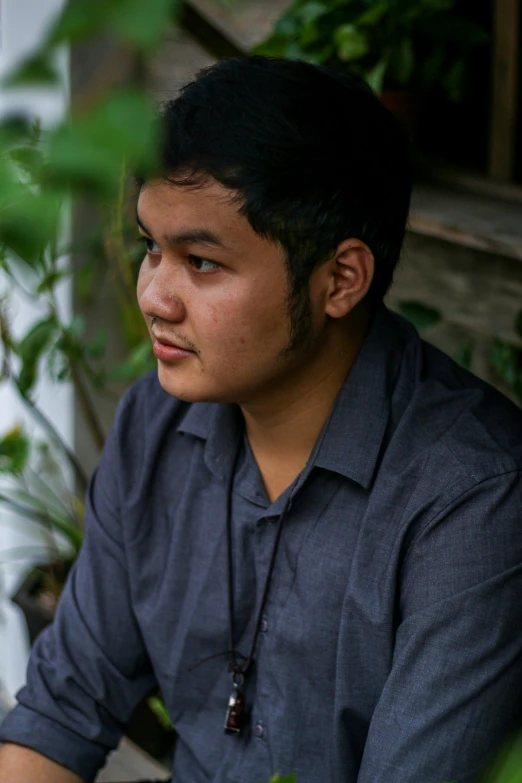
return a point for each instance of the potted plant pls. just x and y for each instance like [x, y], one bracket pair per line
[400, 47]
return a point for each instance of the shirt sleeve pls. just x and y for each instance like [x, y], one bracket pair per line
[455, 687]
[89, 669]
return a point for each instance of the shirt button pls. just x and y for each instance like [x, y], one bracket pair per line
[264, 625]
[259, 730]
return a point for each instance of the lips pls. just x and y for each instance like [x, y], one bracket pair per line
[165, 341]
[168, 351]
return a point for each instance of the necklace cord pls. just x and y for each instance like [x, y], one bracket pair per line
[234, 666]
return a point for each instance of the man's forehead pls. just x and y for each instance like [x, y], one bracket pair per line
[208, 190]
[160, 199]
[183, 215]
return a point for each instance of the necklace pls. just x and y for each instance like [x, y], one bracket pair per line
[235, 714]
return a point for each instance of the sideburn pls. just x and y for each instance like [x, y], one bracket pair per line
[299, 311]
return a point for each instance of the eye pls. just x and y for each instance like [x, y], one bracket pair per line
[203, 265]
[152, 247]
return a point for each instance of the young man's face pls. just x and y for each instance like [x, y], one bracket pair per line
[217, 289]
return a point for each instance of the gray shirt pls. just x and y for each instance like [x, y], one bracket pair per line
[391, 647]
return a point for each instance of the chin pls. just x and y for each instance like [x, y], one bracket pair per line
[186, 391]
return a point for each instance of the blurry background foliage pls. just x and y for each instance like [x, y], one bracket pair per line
[87, 158]
[393, 44]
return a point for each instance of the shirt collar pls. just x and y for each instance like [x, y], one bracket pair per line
[352, 436]
[221, 426]
[354, 432]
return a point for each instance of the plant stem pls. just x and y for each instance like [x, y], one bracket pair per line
[46, 424]
[86, 404]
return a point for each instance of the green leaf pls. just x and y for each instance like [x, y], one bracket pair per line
[285, 779]
[14, 451]
[96, 348]
[310, 12]
[39, 69]
[88, 153]
[42, 485]
[310, 34]
[295, 52]
[51, 279]
[47, 518]
[140, 361]
[159, 709]
[352, 44]
[29, 158]
[30, 349]
[375, 76]
[286, 26]
[70, 346]
[420, 315]
[273, 46]
[29, 220]
[16, 129]
[507, 767]
[319, 56]
[79, 20]
[140, 24]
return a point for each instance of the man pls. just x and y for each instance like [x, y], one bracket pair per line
[306, 525]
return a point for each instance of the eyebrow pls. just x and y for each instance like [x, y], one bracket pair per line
[191, 236]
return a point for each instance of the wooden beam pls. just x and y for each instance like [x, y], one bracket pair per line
[505, 85]
[208, 35]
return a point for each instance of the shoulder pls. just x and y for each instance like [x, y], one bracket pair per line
[457, 451]
[454, 443]
[456, 419]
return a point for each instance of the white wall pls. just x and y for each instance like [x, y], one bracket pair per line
[22, 23]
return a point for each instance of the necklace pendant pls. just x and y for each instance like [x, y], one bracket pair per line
[234, 719]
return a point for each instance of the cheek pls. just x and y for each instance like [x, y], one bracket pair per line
[252, 318]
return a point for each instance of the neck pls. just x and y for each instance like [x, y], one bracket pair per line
[284, 425]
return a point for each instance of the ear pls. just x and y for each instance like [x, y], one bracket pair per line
[349, 276]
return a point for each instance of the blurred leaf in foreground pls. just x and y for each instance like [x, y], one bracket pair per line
[14, 451]
[507, 767]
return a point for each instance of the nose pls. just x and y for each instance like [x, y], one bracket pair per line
[159, 294]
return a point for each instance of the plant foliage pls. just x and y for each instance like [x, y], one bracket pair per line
[393, 44]
[86, 158]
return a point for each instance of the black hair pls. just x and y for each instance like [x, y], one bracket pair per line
[312, 155]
